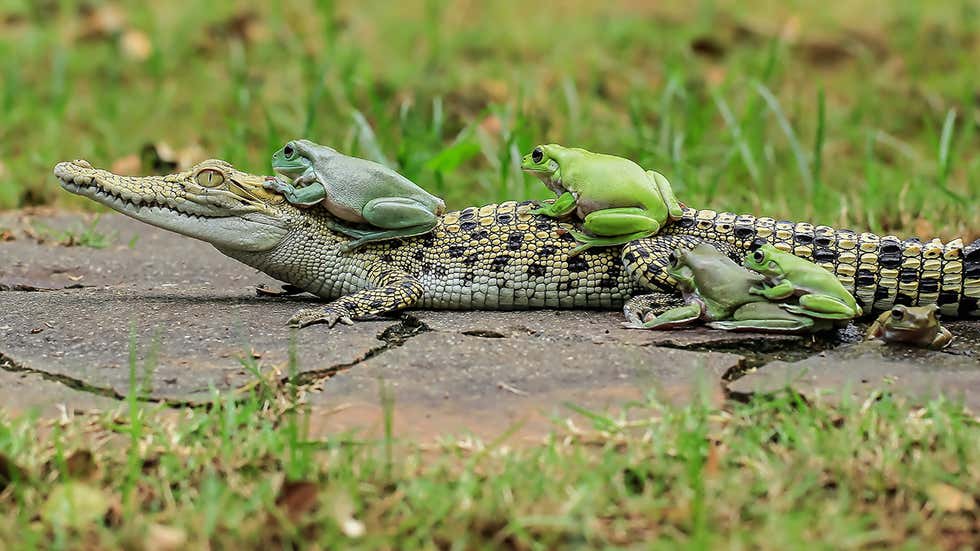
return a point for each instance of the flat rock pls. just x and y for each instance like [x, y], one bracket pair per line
[587, 326]
[448, 382]
[191, 311]
[187, 340]
[23, 392]
[859, 369]
[136, 255]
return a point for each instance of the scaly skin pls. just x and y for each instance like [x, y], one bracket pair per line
[502, 256]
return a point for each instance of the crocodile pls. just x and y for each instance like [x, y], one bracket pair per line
[503, 257]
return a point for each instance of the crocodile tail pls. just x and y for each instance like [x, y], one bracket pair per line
[880, 271]
[970, 300]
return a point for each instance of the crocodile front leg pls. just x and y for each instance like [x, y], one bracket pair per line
[393, 290]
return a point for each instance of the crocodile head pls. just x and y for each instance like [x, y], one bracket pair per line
[212, 201]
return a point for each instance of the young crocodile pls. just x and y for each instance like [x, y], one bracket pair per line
[502, 256]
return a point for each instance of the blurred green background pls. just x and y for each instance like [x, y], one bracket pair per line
[859, 113]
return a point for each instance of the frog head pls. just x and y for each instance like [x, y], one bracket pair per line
[912, 319]
[764, 259]
[541, 163]
[290, 161]
[682, 271]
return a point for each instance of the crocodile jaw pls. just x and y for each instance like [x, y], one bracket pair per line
[156, 201]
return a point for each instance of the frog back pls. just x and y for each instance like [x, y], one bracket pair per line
[354, 182]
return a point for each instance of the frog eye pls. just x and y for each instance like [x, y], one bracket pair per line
[758, 256]
[288, 152]
[672, 257]
[210, 177]
[898, 313]
[537, 155]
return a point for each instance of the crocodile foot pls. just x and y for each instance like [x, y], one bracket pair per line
[329, 314]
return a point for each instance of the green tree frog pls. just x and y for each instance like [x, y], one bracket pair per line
[719, 291]
[915, 325]
[821, 294]
[615, 198]
[354, 190]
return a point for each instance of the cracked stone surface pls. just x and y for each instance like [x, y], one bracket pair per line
[19, 392]
[859, 369]
[583, 325]
[193, 311]
[66, 315]
[461, 381]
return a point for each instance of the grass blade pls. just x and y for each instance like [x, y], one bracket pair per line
[743, 146]
[803, 165]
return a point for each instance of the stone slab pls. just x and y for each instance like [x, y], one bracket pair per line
[192, 338]
[585, 326]
[443, 381]
[859, 369]
[23, 393]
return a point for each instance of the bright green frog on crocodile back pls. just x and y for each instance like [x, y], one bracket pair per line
[354, 190]
[821, 295]
[719, 291]
[616, 199]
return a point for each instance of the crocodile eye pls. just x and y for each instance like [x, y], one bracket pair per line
[537, 155]
[288, 151]
[898, 313]
[210, 177]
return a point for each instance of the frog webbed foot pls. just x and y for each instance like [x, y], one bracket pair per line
[642, 308]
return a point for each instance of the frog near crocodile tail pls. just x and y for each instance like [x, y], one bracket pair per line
[718, 291]
[911, 325]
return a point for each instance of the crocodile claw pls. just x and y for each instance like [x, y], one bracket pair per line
[329, 314]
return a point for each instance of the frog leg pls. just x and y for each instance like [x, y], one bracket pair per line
[675, 317]
[564, 204]
[396, 217]
[615, 226]
[767, 316]
[643, 307]
[877, 328]
[310, 194]
[821, 306]
[667, 194]
[780, 291]
[942, 339]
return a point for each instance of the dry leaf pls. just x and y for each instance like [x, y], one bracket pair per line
[949, 498]
[709, 47]
[491, 125]
[105, 20]
[343, 514]
[297, 498]
[164, 538]
[7, 235]
[9, 472]
[136, 45]
[126, 166]
[81, 464]
[158, 158]
[190, 156]
[75, 504]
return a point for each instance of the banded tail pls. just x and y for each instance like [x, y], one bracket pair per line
[880, 271]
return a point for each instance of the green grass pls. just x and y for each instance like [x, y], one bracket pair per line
[772, 474]
[863, 114]
[860, 114]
